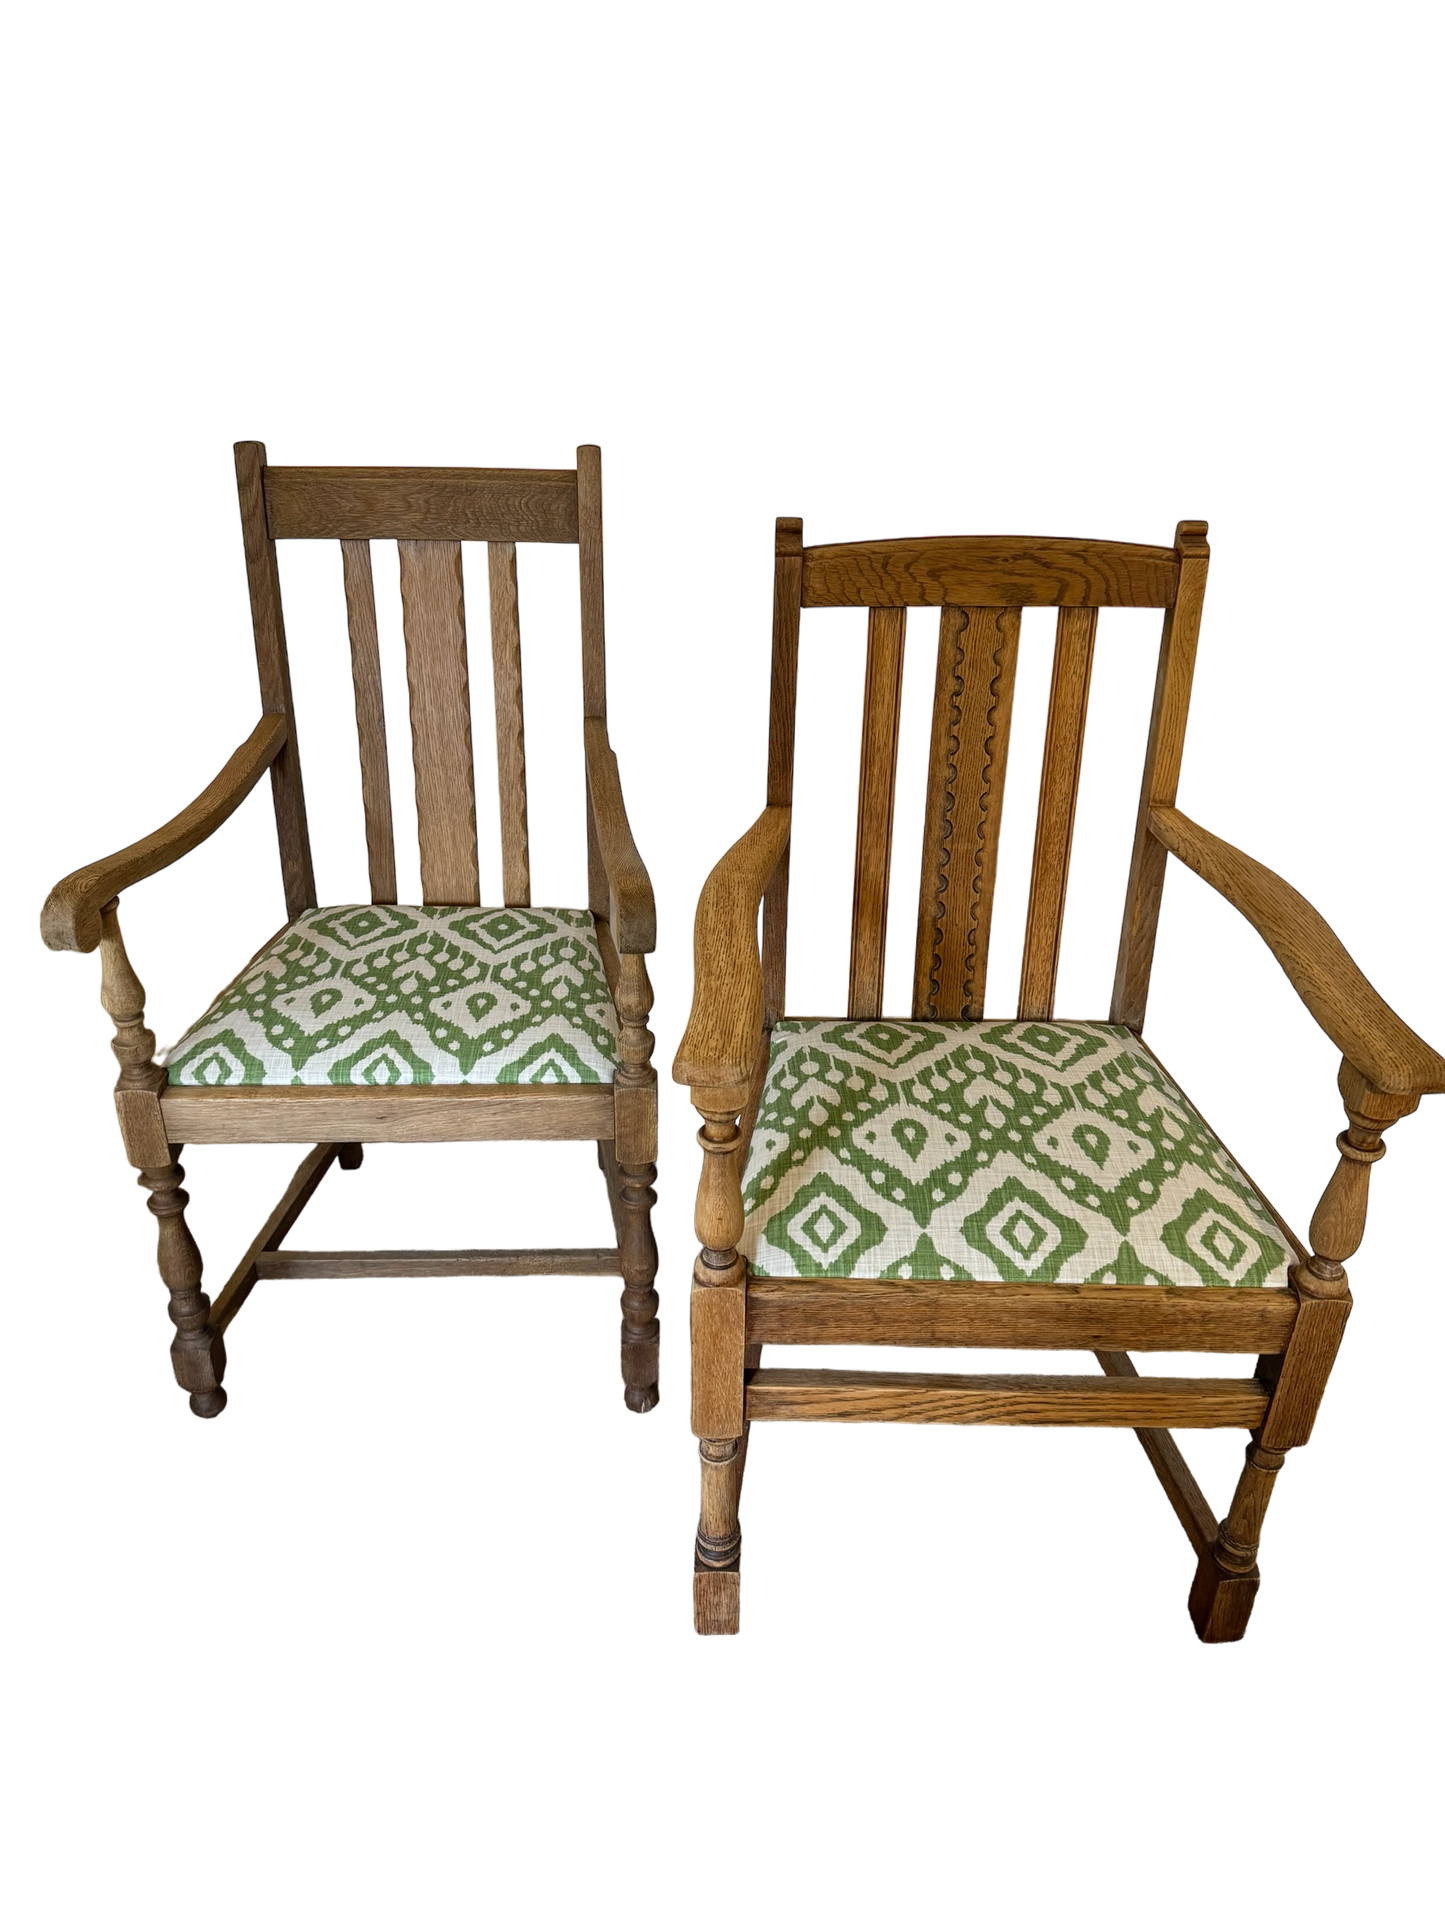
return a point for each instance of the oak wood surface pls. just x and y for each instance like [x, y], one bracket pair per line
[632, 912]
[1163, 755]
[877, 781]
[441, 720]
[589, 567]
[370, 719]
[719, 1046]
[511, 732]
[887, 1311]
[600, 1261]
[967, 764]
[422, 504]
[782, 715]
[943, 1398]
[980, 571]
[1331, 985]
[407, 1114]
[1191, 1508]
[292, 1202]
[1058, 803]
[273, 670]
[71, 918]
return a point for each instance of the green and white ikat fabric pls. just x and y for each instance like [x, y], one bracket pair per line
[1007, 1152]
[381, 994]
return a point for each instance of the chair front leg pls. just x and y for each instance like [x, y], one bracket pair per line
[719, 1310]
[635, 1094]
[1228, 1577]
[198, 1354]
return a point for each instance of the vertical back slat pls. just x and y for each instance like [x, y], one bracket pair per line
[511, 740]
[968, 759]
[274, 672]
[434, 622]
[877, 774]
[1162, 760]
[782, 713]
[1058, 801]
[370, 719]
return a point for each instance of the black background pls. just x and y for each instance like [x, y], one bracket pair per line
[467, 1444]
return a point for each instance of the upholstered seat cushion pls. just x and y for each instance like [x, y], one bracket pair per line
[1000, 1152]
[380, 994]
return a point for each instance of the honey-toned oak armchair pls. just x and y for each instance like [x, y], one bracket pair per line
[387, 1023]
[947, 1180]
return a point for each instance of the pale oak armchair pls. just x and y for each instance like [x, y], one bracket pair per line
[946, 1180]
[387, 1023]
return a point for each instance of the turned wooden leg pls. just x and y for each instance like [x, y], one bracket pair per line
[719, 1311]
[348, 1156]
[1222, 1596]
[716, 1576]
[1228, 1576]
[198, 1353]
[638, 1251]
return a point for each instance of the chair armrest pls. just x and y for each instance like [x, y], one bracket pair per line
[633, 912]
[1334, 989]
[71, 917]
[720, 1045]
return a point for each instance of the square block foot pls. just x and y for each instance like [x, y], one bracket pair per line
[1220, 1602]
[715, 1601]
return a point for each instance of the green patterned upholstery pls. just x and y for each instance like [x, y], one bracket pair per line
[375, 993]
[999, 1152]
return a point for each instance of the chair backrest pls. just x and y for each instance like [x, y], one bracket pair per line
[428, 513]
[981, 585]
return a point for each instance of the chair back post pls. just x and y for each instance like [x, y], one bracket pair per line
[782, 717]
[274, 671]
[1163, 756]
[594, 642]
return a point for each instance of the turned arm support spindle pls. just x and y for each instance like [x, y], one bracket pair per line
[1338, 1224]
[123, 997]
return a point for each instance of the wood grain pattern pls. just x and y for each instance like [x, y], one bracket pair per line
[600, 1261]
[782, 715]
[1191, 1508]
[293, 1201]
[274, 671]
[408, 1114]
[942, 1398]
[1331, 985]
[421, 504]
[719, 1046]
[889, 1311]
[434, 622]
[1058, 802]
[592, 577]
[511, 731]
[877, 780]
[967, 764]
[370, 719]
[631, 912]
[71, 918]
[989, 571]
[1163, 754]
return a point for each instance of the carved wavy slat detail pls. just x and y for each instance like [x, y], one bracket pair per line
[973, 708]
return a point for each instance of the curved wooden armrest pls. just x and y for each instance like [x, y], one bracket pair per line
[1336, 992]
[633, 912]
[71, 917]
[720, 1043]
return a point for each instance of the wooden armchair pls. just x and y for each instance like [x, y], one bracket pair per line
[953, 1181]
[381, 1023]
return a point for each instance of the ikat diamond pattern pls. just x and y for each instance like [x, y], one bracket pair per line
[996, 1151]
[375, 993]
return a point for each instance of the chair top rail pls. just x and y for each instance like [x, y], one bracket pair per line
[982, 571]
[421, 504]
